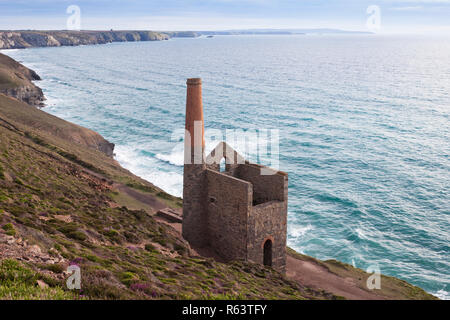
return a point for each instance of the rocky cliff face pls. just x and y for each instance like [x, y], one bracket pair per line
[27, 39]
[30, 94]
[16, 81]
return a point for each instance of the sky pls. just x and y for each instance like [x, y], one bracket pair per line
[391, 16]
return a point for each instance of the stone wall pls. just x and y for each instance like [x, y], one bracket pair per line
[236, 211]
[265, 187]
[195, 219]
[229, 202]
[268, 221]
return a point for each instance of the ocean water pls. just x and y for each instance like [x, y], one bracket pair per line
[363, 129]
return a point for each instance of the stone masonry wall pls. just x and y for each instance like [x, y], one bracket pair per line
[229, 202]
[265, 187]
[268, 221]
[194, 228]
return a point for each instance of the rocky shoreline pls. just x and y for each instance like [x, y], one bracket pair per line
[28, 39]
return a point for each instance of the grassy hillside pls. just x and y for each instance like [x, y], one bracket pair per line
[59, 199]
[16, 81]
[63, 201]
[13, 74]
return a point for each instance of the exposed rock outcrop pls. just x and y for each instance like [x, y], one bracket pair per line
[27, 39]
[30, 94]
[16, 81]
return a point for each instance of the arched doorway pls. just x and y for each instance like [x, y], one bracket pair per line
[268, 253]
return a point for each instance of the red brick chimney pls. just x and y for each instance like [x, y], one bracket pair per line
[194, 109]
[194, 119]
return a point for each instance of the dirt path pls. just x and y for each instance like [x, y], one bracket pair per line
[147, 199]
[313, 275]
[307, 273]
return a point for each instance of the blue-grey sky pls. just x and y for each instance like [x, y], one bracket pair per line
[397, 16]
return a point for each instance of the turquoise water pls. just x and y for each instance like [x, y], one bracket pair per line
[363, 120]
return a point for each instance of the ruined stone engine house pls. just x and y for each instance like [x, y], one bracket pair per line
[241, 212]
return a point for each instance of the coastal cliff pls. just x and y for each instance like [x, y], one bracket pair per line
[16, 81]
[64, 202]
[27, 39]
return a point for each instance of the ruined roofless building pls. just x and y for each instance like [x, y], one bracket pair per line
[239, 213]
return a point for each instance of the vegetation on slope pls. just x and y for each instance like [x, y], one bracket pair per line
[65, 202]
[60, 197]
[20, 282]
[16, 81]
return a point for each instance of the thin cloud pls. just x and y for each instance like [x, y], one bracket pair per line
[413, 8]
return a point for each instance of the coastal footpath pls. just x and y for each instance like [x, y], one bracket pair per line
[64, 201]
[29, 39]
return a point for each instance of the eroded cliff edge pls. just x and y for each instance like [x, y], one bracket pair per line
[16, 82]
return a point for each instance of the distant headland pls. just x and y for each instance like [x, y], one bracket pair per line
[21, 39]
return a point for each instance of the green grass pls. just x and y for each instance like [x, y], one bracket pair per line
[52, 185]
[2, 174]
[123, 252]
[18, 282]
[9, 229]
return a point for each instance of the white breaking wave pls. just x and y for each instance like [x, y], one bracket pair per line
[442, 294]
[176, 158]
[6, 51]
[170, 182]
[149, 169]
[361, 233]
[296, 231]
[51, 101]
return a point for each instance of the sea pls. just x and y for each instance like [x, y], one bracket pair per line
[359, 122]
